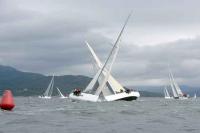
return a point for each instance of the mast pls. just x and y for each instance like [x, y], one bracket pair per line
[115, 47]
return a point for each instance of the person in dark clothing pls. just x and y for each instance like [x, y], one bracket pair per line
[77, 92]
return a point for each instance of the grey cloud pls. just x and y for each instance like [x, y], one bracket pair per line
[48, 37]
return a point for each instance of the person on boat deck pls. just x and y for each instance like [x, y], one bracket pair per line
[77, 92]
[128, 91]
[185, 95]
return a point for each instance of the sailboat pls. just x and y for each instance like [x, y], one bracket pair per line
[47, 94]
[166, 93]
[60, 94]
[101, 87]
[112, 83]
[176, 90]
[195, 96]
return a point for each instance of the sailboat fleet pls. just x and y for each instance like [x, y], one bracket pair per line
[48, 92]
[176, 90]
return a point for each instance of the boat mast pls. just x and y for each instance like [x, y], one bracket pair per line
[115, 47]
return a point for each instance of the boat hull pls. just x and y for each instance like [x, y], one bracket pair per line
[168, 97]
[133, 95]
[116, 97]
[181, 98]
[84, 97]
[63, 97]
[44, 97]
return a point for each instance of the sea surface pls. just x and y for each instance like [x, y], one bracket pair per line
[146, 115]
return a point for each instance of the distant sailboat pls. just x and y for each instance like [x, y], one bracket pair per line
[166, 93]
[47, 94]
[60, 94]
[176, 90]
[195, 96]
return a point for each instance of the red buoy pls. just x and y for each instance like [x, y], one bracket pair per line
[7, 101]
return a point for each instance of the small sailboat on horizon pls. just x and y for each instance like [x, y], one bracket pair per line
[166, 94]
[195, 96]
[60, 93]
[47, 94]
[176, 90]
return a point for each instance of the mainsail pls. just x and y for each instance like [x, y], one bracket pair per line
[49, 89]
[175, 87]
[101, 78]
[175, 94]
[166, 92]
[179, 92]
[111, 57]
[112, 83]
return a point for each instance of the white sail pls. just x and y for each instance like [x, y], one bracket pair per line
[49, 89]
[166, 92]
[111, 57]
[175, 94]
[92, 83]
[47, 94]
[113, 84]
[60, 93]
[103, 74]
[178, 90]
[195, 96]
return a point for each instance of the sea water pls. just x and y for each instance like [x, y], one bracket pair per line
[146, 115]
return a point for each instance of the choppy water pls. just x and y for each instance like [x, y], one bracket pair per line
[147, 115]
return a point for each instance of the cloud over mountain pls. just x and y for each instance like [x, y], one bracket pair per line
[48, 37]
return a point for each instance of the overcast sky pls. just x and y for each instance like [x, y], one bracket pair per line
[47, 36]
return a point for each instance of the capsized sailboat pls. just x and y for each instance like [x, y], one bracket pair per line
[101, 86]
[60, 93]
[47, 94]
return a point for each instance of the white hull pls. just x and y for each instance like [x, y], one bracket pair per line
[63, 97]
[181, 98]
[133, 95]
[84, 97]
[168, 97]
[93, 98]
[45, 97]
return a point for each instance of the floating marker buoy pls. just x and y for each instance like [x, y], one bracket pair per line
[7, 101]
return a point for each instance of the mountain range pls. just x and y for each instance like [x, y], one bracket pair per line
[27, 83]
[34, 84]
